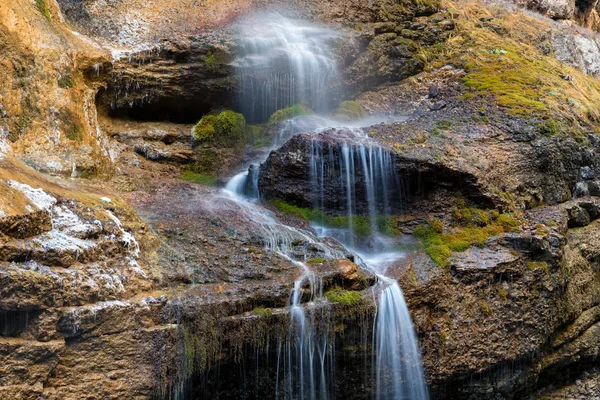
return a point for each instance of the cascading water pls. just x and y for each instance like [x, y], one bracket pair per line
[304, 358]
[285, 62]
[368, 172]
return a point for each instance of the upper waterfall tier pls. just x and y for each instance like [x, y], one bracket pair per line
[284, 62]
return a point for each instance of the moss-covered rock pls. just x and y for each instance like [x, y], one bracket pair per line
[226, 129]
[290, 112]
[362, 226]
[345, 297]
[470, 227]
[350, 111]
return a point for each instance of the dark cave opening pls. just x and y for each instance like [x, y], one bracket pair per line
[15, 323]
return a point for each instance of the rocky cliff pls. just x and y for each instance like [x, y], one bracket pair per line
[119, 279]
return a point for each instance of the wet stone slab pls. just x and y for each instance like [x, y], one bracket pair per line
[475, 263]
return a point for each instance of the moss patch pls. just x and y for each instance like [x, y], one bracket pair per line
[537, 265]
[263, 312]
[71, 125]
[350, 111]
[317, 260]
[42, 5]
[471, 227]
[226, 129]
[65, 81]
[345, 297]
[290, 112]
[362, 226]
[216, 61]
[203, 179]
[507, 59]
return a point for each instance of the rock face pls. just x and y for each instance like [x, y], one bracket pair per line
[578, 50]
[555, 9]
[92, 303]
[141, 285]
[286, 176]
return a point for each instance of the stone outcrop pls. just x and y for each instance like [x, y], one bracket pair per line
[284, 176]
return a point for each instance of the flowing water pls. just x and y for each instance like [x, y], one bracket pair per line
[285, 62]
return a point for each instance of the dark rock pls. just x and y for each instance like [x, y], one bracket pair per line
[587, 173]
[438, 105]
[578, 217]
[581, 190]
[594, 188]
[286, 175]
[433, 92]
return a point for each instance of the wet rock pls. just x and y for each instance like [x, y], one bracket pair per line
[350, 276]
[438, 105]
[587, 173]
[26, 225]
[477, 264]
[581, 190]
[594, 188]
[433, 92]
[286, 175]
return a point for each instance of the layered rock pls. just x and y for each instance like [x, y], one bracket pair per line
[85, 314]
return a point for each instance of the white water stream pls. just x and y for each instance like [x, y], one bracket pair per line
[285, 62]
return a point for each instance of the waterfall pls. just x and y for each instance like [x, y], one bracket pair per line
[399, 374]
[284, 62]
[365, 171]
[306, 356]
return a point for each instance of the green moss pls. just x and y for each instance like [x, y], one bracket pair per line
[42, 5]
[503, 293]
[72, 126]
[507, 66]
[263, 312]
[485, 308]
[258, 136]
[317, 260]
[444, 125]
[362, 226]
[470, 216]
[226, 129]
[436, 225]
[345, 297]
[508, 222]
[203, 179]
[65, 81]
[350, 111]
[215, 61]
[537, 265]
[541, 230]
[290, 112]
[304, 213]
[472, 227]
